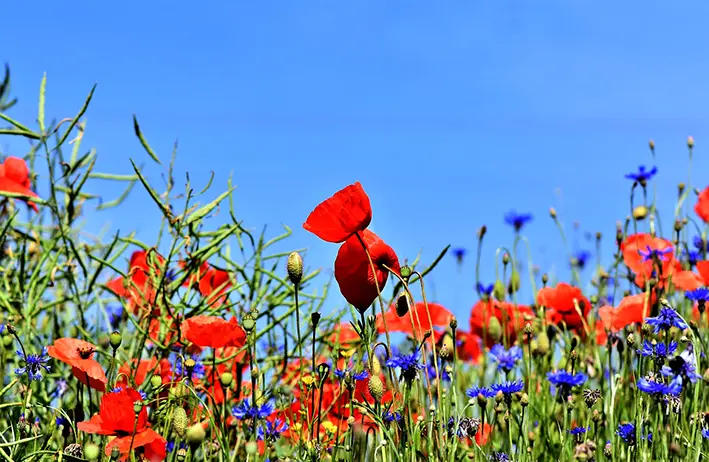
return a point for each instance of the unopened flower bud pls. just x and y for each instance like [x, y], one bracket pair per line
[552, 212]
[251, 448]
[545, 278]
[498, 290]
[115, 339]
[690, 142]
[630, 339]
[226, 378]
[528, 329]
[91, 451]
[505, 258]
[376, 388]
[196, 434]
[453, 323]
[515, 282]
[482, 231]
[640, 212]
[155, 381]
[405, 272]
[294, 266]
[524, 400]
[179, 421]
[403, 304]
[651, 143]
[494, 329]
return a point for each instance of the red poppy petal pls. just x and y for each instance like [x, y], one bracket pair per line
[348, 211]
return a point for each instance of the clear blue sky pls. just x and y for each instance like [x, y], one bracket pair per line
[448, 115]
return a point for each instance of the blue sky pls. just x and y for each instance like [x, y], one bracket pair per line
[449, 115]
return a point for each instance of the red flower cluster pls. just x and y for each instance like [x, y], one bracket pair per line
[15, 179]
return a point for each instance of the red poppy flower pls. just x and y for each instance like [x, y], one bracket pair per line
[79, 355]
[138, 287]
[483, 434]
[15, 178]
[689, 280]
[512, 318]
[212, 282]
[143, 369]
[214, 332]
[440, 317]
[354, 273]
[563, 303]
[117, 418]
[632, 309]
[702, 205]
[347, 212]
[649, 256]
[344, 336]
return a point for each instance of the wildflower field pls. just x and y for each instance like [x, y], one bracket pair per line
[204, 344]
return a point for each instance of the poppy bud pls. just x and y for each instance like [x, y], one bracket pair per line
[552, 212]
[179, 421]
[115, 453]
[542, 344]
[137, 407]
[294, 267]
[7, 341]
[630, 340]
[505, 258]
[375, 365]
[494, 329]
[524, 400]
[179, 391]
[599, 235]
[640, 212]
[453, 323]
[115, 339]
[514, 282]
[482, 401]
[248, 323]
[376, 388]
[315, 319]
[651, 143]
[528, 329]
[680, 188]
[196, 434]
[155, 381]
[482, 231]
[498, 290]
[403, 304]
[91, 451]
[545, 278]
[251, 448]
[226, 378]
[608, 451]
[405, 272]
[690, 142]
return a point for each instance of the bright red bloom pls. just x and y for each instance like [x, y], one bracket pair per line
[143, 369]
[632, 309]
[702, 205]
[512, 318]
[138, 287]
[117, 418]
[565, 305]
[79, 355]
[688, 280]
[483, 434]
[347, 212]
[354, 273]
[645, 254]
[440, 317]
[214, 332]
[212, 283]
[344, 336]
[15, 178]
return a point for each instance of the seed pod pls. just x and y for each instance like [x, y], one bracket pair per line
[179, 421]
[376, 388]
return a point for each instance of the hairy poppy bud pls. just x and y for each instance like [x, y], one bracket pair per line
[494, 329]
[528, 329]
[294, 267]
[514, 282]
[690, 142]
[680, 188]
[179, 421]
[545, 278]
[542, 344]
[630, 340]
[155, 381]
[498, 290]
[315, 318]
[651, 143]
[640, 212]
[91, 451]
[403, 304]
[405, 272]
[196, 434]
[376, 388]
[552, 212]
[505, 258]
[226, 378]
[453, 324]
[115, 339]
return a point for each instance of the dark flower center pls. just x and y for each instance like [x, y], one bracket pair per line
[85, 353]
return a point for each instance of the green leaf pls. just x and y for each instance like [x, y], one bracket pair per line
[144, 142]
[42, 93]
[207, 209]
[75, 120]
[153, 194]
[19, 132]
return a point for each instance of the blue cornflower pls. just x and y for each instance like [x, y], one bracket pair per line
[666, 319]
[700, 244]
[659, 350]
[2, 328]
[499, 457]
[170, 446]
[660, 389]
[474, 392]
[508, 388]
[698, 295]
[244, 410]
[642, 175]
[389, 417]
[705, 433]
[581, 258]
[628, 434]
[505, 359]
[271, 431]
[693, 257]
[651, 254]
[682, 365]
[115, 315]
[409, 365]
[342, 373]
[459, 253]
[483, 289]
[564, 381]
[61, 421]
[517, 220]
[142, 393]
[33, 364]
[431, 370]
[578, 430]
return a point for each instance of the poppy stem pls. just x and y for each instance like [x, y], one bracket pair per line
[297, 326]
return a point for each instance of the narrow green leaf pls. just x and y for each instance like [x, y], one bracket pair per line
[111, 176]
[17, 124]
[42, 93]
[207, 209]
[153, 194]
[119, 200]
[19, 132]
[144, 142]
[75, 120]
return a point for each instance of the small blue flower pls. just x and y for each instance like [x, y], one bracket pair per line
[389, 417]
[657, 351]
[565, 381]
[244, 410]
[517, 220]
[505, 359]
[651, 254]
[342, 373]
[660, 389]
[474, 392]
[271, 431]
[682, 365]
[499, 457]
[693, 257]
[666, 319]
[698, 295]
[705, 433]
[62, 421]
[581, 258]
[115, 315]
[61, 386]
[409, 365]
[197, 372]
[628, 434]
[34, 364]
[483, 289]
[508, 388]
[2, 328]
[642, 175]
[459, 253]
[700, 244]
[431, 370]
[578, 430]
